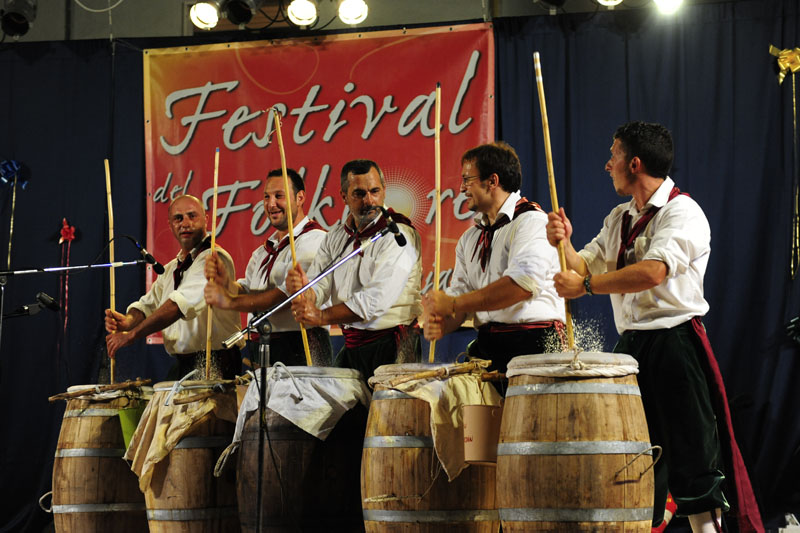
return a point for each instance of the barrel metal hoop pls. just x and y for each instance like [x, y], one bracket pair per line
[75, 413]
[527, 514]
[90, 452]
[462, 515]
[213, 441]
[185, 515]
[572, 387]
[98, 507]
[573, 448]
[280, 435]
[391, 394]
[398, 441]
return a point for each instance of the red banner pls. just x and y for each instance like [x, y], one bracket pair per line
[358, 95]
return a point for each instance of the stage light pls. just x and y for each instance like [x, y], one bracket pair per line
[17, 16]
[609, 3]
[668, 7]
[205, 15]
[353, 11]
[242, 11]
[302, 12]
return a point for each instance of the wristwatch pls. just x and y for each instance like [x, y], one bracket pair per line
[587, 284]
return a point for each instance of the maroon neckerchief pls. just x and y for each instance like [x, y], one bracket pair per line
[743, 501]
[272, 252]
[484, 243]
[357, 236]
[628, 234]
[183, 266]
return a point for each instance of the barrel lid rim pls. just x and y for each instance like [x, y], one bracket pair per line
[562, 358]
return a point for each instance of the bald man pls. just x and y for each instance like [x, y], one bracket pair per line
[175, 305]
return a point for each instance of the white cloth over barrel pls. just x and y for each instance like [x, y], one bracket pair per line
[445, 397]
[593, 364]
[312, 398]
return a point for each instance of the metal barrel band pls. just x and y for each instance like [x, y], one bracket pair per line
[76, 413]
[185, 515]
[574, 448]
[89, 452]
[203, 442]
[390, 394]
[398, 441]
[573, 388]
[98, 508]
[465, 515]
[527, 514]
[281, 435]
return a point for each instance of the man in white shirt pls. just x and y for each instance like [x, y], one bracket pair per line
[503, 276]
[375, 295]
[174, 304]
[264, 285]
[651, 256]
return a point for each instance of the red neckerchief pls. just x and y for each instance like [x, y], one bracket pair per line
[184, 265]
[484, 243]
[272, 252]
[357, 236]
[628, 234]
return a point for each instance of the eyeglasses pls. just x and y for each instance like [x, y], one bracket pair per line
[466, 179]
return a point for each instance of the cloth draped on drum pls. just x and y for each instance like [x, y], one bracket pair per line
[445, 397]
[163, 426]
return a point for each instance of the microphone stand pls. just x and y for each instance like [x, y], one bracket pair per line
[264, 331]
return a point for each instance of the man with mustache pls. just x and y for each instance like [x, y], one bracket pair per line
[375, 295]
[264, 283]
[504, 266]
[175, 306]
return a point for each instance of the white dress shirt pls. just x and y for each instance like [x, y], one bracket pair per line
[679, 236]
[306, 246]
[381, 285]
[520, 251]
[188, 334]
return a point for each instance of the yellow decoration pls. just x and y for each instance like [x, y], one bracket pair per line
[788, 60]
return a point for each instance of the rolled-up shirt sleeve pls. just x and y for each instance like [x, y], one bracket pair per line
[683, 234]
[530, 256]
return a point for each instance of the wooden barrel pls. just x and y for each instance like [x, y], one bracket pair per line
[183, 495]
[94, 490]
[308, 484]
[403, 486]
[570, 443]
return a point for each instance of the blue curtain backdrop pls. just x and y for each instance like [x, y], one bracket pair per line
[704, 73]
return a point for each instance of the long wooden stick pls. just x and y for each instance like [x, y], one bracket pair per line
[437, 156]
[111, 274]
[277, 115]
[551, 179]
[213, 249]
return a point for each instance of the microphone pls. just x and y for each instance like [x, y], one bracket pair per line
[148, 258]
[47, 301]
[399, 237]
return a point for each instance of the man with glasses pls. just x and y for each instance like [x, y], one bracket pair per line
[503, 276]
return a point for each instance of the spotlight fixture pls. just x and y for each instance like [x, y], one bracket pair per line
[668, 7]
[609, 3]
[302, 12]
[17, 16]
[353, 11]
[242, 11]
[205, 15]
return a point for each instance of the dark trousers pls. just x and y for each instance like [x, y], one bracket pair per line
[680, 418]
[383, 351]
[287, 347]
[225, 364]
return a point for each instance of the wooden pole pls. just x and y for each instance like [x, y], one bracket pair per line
[437, 156]
[552, 182]
[213, 249]
[277, 115]
[111, 274]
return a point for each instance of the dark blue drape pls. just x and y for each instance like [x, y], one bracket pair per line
[705, 74]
